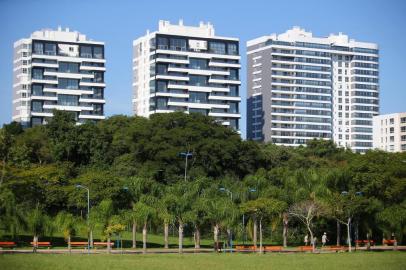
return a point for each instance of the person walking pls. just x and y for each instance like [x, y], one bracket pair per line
[306, 240]
[324, 239]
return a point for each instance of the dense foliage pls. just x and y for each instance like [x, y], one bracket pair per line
[135, 174]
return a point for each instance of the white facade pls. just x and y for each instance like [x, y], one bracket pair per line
[187, 68]
[302, 87]
[390, 132]
[60, 70]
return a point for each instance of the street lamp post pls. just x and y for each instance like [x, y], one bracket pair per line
[88, 213]
[231, 232]
[186, 155]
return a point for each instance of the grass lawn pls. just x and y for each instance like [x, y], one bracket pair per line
[342, 261]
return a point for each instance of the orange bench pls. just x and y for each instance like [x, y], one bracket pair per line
[42, 244]
[7, 244]
[389, 242]
[102, 244]
[305, 248]
[273, 248]
[335, 248]
[245, 248]
[364, 242]
[78, 244]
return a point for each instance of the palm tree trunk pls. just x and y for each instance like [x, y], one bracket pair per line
[144, 238]
[285, 229]
[338, 234]
[260, 236]
[349, 235]
[91, 238]
[216, 237]
[69, 245]
[166, 233]
[108, 244]
[180, 237]
[35, 243]
[254, 238]
[197, 237]
[134, 234]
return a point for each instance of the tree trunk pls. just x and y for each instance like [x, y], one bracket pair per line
[349, 235]
[254, 238]
[338, 234]
[108, 244]
[69, 246]
[180, 237]
[216, 237]
[35, 243]
[166, 233]
[197, 237]
[144, 238]
[134, 234]
[311, 238]
[91, 238]
[285, 229]
[260, 236]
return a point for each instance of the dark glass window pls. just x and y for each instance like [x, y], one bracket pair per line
[161, 103]
[234, 123]
[178, 44]
[86, 51]
[198, 63]
[201, 111]
[68, 83]
[233, 107]
[36, 90]
[161, 69]
[98, 93]
[197, 80]
[50, 48]
[37, 73]
[197, 97]
[217, 47]
[98, 52]
[36, 121]
[98, 109]
[162, 43]
[232, 49]
[68, 67]
[98, 77]
[233, 74]
[234, 91]
[161, 86]
[38, 48]
[36, 106]
[68, 100]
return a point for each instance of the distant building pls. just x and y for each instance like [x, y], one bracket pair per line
[390, 132]
[188, 69]
[301, 87]
[60, 70]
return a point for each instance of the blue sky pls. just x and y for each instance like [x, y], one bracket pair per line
[118, 22]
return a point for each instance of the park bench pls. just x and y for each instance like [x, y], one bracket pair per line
[102, 244]
[273, 248]
[41, 244]
[335, 248]
[305, 248]
[7, 244]
[364, 242]
[389, 242]
[78, 244]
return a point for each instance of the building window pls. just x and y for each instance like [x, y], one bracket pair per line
[98, 77]
[161, 86]
[197, 97]
[36, 121]
[98, 109]
[403, 138]
[98, 93]
[403, 129]
[162, 43]
[391, 121]
[38, 48]
[233, 107]
[198, 63]
[391, 147]
[403, 120]
[68, 67]
[86, 51]
[197, 80]
[217, 47]
[98, 52]
[403, 147]
[232, 49]
[161, 69]
[36, 106]
[68, 100]
[391, 130]
[233, 74]
[391, 139]
[178, 44]
[234, 91]
[36, 90]
[201, 111]
[161, 103]
[68, 83]
[50, 49]
[37, 73]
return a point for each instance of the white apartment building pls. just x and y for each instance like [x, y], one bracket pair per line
[390, 132]
[301, 87]
[189, 69]
[59, 70]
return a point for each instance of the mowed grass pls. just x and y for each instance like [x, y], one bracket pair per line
[342, 261]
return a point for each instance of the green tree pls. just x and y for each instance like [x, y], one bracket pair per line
[38, 224]
[67, 224]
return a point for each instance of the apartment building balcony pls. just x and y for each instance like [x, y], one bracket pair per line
[224, 81]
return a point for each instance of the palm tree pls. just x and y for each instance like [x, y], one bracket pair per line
[66, 223]
[167, 217]
[101, 215]
[38, 224]
[115, 226]
[12, 214]
[217, 210]
[145, 211]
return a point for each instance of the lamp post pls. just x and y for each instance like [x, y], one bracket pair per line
[186, 155]
[88, 213]
[223, 189]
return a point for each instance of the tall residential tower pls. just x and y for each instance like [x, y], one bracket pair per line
[189, 69]
[302, 87]
[60, 70]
